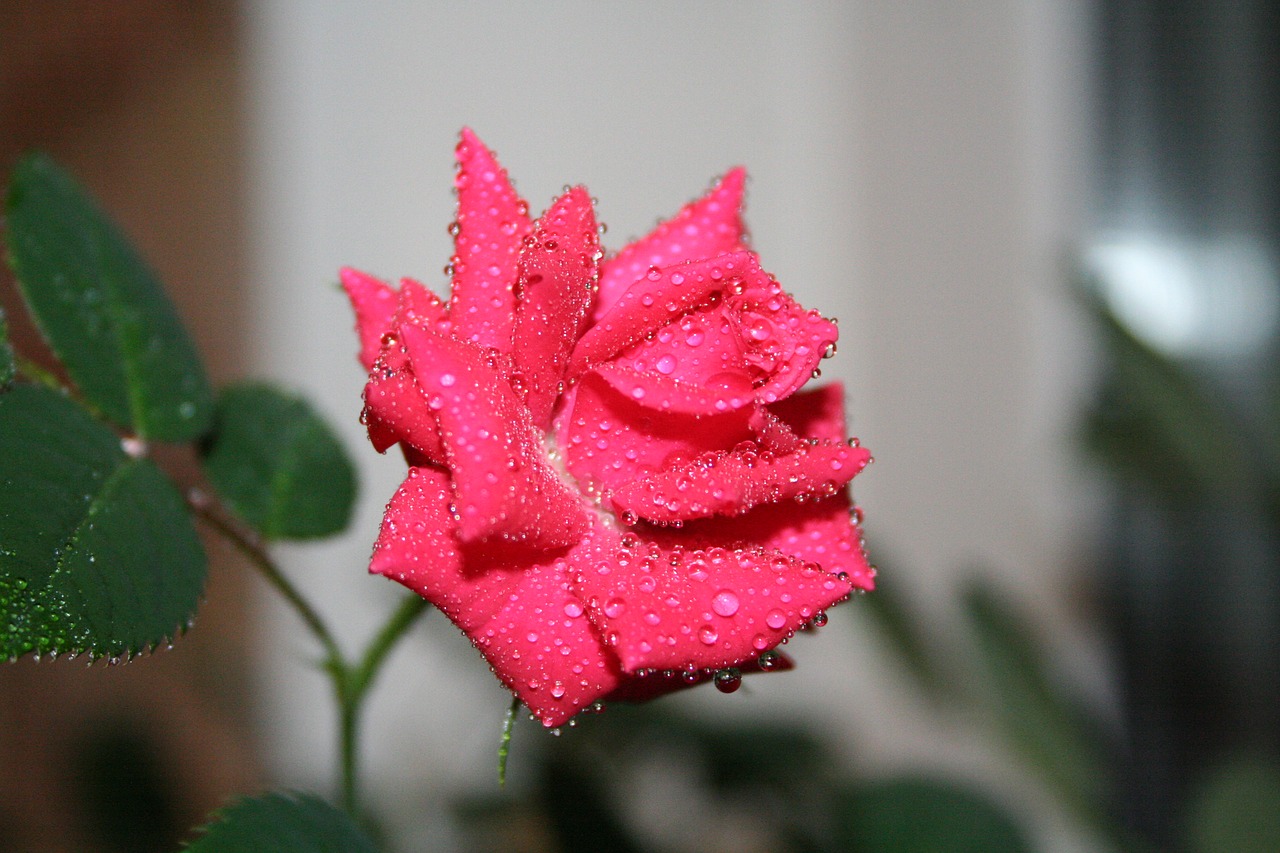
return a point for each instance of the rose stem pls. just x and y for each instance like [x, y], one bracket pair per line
[504, 746]
[355, 683]
[350, 682]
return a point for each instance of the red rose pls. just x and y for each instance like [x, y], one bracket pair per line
[617, 487]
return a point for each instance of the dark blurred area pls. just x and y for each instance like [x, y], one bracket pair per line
[142, 101]
[1188, 217]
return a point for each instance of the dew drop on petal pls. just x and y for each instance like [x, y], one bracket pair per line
[573, 610]
[725, 602]
[708, 635]
[775, 619]
[614, 608]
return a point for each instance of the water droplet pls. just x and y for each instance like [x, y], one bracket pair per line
[447, 379]
[708, 635]
[725, 603]
[614, 608]
[769, 660]
[573, 610]
[775, 619]
[728, 680]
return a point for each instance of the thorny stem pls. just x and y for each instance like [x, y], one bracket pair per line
[351, 680]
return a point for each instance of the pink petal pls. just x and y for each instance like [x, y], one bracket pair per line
[826, 532]
[395, 409]
[783, 342]
[522, 616]
[815, 413]
[732, 483]
[503, 488]
[683, 609]
[705, 228]
[609, 439]
[492, 223]
[557, 275]
[658, 298]
[374, 303]
[652, 685]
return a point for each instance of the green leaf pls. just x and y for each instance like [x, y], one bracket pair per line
[1237, 809]
[101, 309]
[1046, 729]
[892, 618]
[1156, 423]
[281, 823]
[97, 551]
[278, 465]
[7, 367]
[911, 815]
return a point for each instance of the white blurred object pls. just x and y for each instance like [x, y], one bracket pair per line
[1213, 297]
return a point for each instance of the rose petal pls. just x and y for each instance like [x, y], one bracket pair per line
[815, 412]
[652, 685]
[726, 392]
[734, 482]
[783, 341]
[825, 532]
[609, 439]
[522, 616]
[710, 226]
[658, 298]
[503, 487]
[557, 274]
[679, 609]
[374, 303]
[395, 410]
[492, 223]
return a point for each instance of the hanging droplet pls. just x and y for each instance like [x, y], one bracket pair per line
[728, 680]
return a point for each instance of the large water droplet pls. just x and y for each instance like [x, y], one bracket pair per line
[728, 680]
[725, 603]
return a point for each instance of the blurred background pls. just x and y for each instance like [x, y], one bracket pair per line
[1049, 231]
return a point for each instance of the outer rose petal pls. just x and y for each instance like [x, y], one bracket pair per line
[702, 609]
[609, 439]
[522, 616]
[374, 303]
[557, 275]
[661, 296]
[824, 532]
[815, 413]
[660, 682]
[733, 483]
[710, 226]
[395, 409]
[503, 488]
[492, 223]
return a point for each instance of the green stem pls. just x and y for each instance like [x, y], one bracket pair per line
[504, 746]
[33, 371]
[356, 681]
[351, 681]
[252, 548]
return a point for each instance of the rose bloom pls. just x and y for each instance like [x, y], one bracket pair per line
[616, 486]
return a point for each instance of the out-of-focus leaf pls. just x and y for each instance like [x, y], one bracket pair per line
[888, 612]
[278, 465]
[101, 309]
[1156, 423]
[97, 551]
[1237, 809]
[6, 352]
[1047, 730]
[912, 815]
[281, 823]
[580, 817]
